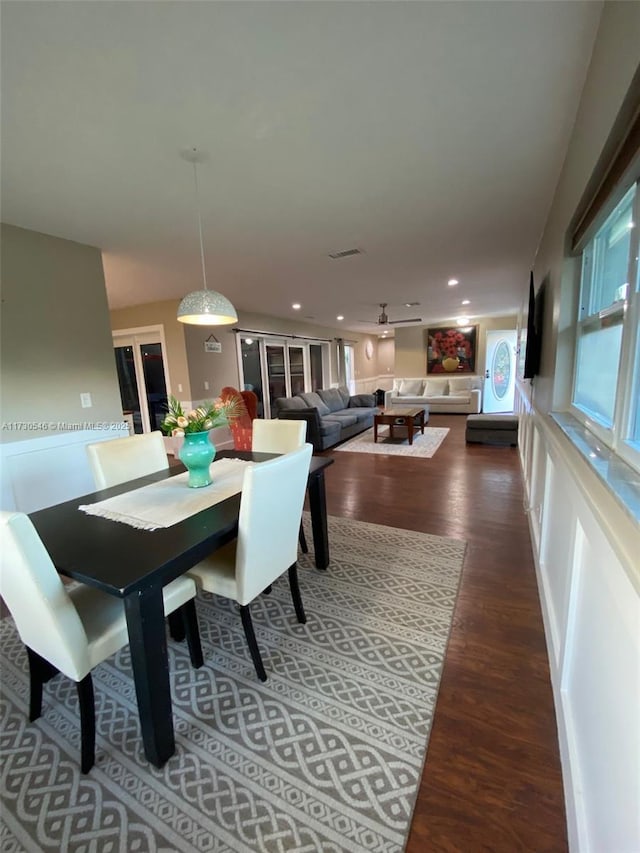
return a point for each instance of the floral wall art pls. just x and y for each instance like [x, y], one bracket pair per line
[451, 349]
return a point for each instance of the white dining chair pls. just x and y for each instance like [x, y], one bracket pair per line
[276, 436]
[267, 541]
[121, 459]
[71, 628]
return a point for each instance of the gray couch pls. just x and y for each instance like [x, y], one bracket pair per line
[332, 415]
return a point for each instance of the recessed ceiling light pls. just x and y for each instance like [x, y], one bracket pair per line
[466, 301]
[462, 321]
[452, 282]
[296, 306]
[339, 317]
[411, 304]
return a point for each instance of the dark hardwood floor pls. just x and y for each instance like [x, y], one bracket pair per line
[492, 780]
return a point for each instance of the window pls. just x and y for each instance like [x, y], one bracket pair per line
[606, 393]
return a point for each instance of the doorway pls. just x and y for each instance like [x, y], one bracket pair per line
[142, 377]
[500, 371]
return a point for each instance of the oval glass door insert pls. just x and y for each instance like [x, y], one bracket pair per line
[501, 370]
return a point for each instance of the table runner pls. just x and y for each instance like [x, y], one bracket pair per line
[170, 501]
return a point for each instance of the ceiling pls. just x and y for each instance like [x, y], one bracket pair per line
[428, 135]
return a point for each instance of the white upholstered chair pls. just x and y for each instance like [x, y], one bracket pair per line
[121, 459]
[267, 542]
[71, 628]
[276, 436]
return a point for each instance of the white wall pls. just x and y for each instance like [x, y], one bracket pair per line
[586, 545]
[586, 550]
[44, 471]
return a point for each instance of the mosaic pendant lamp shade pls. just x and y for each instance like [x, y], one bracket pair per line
[204, 307]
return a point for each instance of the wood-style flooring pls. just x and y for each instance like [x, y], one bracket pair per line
[492, 779]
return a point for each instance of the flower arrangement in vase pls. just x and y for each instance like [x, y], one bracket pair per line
[197, 452]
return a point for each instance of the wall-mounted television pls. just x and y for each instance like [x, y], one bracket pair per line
[535, 320]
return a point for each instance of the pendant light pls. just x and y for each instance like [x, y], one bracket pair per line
[204, 307]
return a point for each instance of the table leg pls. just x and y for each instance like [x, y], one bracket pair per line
[409, 422]
[422, 421]
[149, 660]
[318, 508]
[375, 431]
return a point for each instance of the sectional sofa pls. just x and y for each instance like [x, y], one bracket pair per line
[332, 415]
[440, 394]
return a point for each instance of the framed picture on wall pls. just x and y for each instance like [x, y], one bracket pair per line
[452, 349]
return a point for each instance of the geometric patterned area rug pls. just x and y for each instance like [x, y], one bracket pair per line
[326, 755]
[424, 446]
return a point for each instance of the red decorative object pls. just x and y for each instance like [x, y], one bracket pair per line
[241, 423]
[251, 402]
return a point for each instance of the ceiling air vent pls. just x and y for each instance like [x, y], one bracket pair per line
[345, 254]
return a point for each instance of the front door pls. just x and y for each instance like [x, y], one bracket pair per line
[140, 364]
[500, 371]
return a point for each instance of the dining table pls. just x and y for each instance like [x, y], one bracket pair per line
[135, 564]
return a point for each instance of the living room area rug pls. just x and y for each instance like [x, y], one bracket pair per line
[424, 446]
[326, 755]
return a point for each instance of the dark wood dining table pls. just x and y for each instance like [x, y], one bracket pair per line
[135, 564]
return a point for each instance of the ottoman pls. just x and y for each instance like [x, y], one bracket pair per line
[492, 429]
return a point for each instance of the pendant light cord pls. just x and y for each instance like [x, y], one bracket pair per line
[195, 180]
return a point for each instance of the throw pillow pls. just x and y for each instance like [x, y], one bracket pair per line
[313, 400]
[436, 388]
[460, 383]
[333, 398]
[362, 401]
[283, 403]
[410, 387]
[345, 394]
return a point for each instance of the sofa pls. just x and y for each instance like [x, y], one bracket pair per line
[332, 415]
[439, 394]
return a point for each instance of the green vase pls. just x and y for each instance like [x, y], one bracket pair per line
[196, 454]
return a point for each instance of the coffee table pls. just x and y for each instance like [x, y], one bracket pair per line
[408, 419]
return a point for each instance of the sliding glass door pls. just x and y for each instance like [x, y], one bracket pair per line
[297, 369]
[316, 359]
[273, 367]
[251, 370]
[276, 372]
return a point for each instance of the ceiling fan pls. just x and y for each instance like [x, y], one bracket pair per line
[383, 319]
